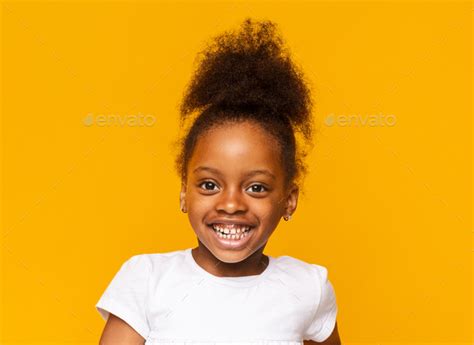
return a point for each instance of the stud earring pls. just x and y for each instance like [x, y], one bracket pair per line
[287, 218]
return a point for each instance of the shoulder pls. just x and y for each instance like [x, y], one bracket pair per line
[308, 278]
[304, 270]
[139, 271]
[310, 281]
[154, 263]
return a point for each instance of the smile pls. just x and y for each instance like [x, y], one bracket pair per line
[232, 236]
[231, 231]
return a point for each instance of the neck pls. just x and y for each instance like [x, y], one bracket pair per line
[255, 264]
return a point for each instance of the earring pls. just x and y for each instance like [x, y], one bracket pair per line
[287, 218]
[183, 208]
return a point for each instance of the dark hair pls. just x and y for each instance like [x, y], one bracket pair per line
[247, 75]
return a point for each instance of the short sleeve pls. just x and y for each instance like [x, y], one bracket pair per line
[126, 294]
[324, 317]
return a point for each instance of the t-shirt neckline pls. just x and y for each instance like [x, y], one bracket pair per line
[232, 281]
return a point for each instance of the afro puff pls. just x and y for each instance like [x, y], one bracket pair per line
[248, 75]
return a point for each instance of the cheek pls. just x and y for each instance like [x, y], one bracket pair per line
[199, 205]
[267, 211]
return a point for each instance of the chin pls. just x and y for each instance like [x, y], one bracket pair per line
[227, 255]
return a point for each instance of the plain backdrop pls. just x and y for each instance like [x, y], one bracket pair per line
[387, 207]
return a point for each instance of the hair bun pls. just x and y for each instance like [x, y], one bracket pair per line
[250, 71]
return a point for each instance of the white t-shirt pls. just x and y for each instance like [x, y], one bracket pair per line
[169, 299]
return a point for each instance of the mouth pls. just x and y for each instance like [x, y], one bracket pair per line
[232, 236]
[231, 231]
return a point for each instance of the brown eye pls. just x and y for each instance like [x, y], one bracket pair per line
[258, 188]
[208, 185]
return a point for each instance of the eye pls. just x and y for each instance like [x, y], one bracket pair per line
[258, 188]
[208, 185]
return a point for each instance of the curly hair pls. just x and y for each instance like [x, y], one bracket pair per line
[248, 75]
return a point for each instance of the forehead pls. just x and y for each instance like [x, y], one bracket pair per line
[236, 148]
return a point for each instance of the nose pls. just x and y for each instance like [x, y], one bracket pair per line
[231, 201]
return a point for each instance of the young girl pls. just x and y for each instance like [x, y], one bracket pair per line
[239, 166]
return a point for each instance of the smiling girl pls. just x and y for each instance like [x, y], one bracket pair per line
[240, 168]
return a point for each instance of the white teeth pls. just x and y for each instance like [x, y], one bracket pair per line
[234, 234]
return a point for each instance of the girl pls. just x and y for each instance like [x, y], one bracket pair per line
[239, 166]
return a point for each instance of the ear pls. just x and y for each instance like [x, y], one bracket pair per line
[182, 197]
[291, 200]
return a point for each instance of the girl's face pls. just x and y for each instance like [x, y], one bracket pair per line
[236, 182]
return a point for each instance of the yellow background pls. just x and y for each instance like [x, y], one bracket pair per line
[387, 208]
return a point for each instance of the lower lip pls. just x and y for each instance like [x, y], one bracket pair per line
[228, 243]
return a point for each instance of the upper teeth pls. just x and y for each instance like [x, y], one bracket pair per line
[231, 228]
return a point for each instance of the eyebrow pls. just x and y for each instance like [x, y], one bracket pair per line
[249, 174]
